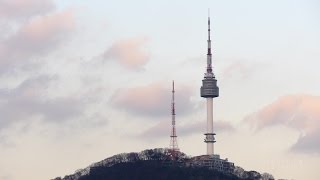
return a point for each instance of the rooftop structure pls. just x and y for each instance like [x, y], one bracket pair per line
[212, 162]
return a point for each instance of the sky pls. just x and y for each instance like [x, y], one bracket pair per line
[84, 80]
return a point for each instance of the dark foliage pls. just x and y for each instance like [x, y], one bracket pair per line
[153, 170]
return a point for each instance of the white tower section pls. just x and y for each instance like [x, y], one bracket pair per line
[209, 90]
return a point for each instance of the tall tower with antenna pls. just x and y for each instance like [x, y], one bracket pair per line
[209, 90]
[173, 137]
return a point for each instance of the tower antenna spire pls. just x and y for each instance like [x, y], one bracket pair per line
[209, 24]
[173, 137]
[209, 72]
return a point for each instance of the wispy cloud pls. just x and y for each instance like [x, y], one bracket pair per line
[153, 100]
[23, 9]
[242, 69]
[30, 100]
[131, 53]
[301, 112]
[35, 38]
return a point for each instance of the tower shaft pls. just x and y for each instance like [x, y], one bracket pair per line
[209, 90]
[173, 137]
[210, 135]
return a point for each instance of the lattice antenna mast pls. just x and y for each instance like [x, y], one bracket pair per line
[173, 137]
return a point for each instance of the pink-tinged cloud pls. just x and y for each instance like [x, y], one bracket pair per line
[163, 129]
[36, 38]
[23, 9]
[153, 99]
[46, 30]
[131, 53]
[301, 112]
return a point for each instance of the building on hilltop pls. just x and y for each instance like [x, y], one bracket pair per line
[211, 162]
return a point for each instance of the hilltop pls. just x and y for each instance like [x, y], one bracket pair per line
[158, 164]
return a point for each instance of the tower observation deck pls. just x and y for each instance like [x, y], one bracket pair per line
[209, 90]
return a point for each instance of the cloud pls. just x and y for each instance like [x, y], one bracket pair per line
[308, 143]
[35, 38]
[163, 128]
[300, 112]
[23, 9]
[30, 99]
[153, 100]
[241, 70]
[130, 53]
